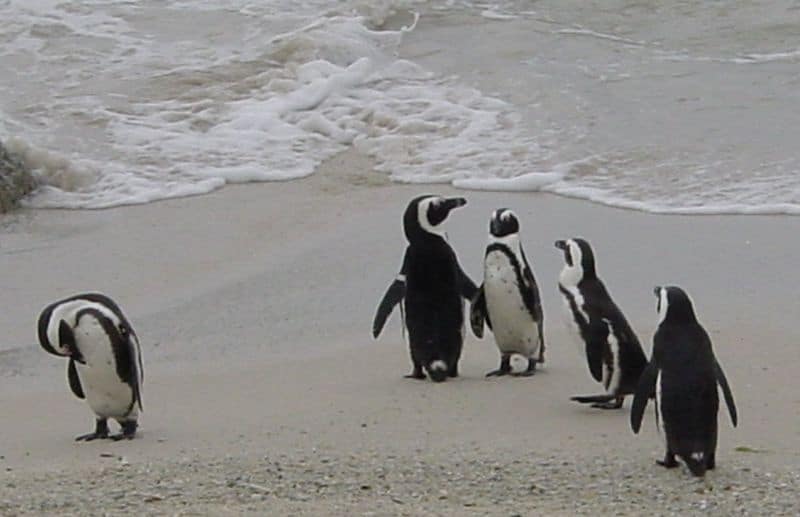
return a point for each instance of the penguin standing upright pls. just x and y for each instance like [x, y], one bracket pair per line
[683, 374]
[105, 363]
[612, 349]
[431, 286]
[508, 300]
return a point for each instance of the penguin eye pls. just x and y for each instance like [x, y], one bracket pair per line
[123, 330]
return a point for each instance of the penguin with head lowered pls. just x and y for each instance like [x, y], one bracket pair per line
[508, 300]
[612, 349]
[105, 363]
[683, 374]
[432, 287]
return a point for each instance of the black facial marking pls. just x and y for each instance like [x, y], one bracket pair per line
[503, 223]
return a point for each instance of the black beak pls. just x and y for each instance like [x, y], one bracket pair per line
[494, 227]
[455, 202]
[657, 291]
[562, 245]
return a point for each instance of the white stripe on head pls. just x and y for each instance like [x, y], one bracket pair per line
[67, 312]
[572, 275]
[663, 304]
[422, 215]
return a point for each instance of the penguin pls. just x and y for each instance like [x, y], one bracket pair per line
[105, 362]
[508, 300]
[612, 349]
[432, 287]
[683, 374]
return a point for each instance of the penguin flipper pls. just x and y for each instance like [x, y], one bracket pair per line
[138, 374]
[393, 296]
[644, 390]
[531, 294]
[74, 380]
[594, 356]
[478, 313]
[726, 392]
[467, 286]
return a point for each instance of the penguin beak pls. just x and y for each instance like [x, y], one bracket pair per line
[455, 202]
[562, 245]
[657, 291]
[494, 226]
[66, 339]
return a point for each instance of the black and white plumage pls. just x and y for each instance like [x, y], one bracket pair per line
[612, 349]
[683, 374]
[105, 363]
[432, 287]
[508, 300]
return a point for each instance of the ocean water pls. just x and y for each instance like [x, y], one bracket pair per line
[668, 107]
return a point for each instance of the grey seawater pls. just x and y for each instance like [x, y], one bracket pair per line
[675, 107]
[687, 107]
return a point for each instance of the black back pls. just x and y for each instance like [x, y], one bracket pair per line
[432, 286]
[684, 359]
[602, 312]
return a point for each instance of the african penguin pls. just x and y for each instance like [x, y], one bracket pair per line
[612, 349]
[431, 286]
[105, 363]
[683, 374]
[508, 300]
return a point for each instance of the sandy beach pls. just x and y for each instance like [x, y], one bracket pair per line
[265, 393]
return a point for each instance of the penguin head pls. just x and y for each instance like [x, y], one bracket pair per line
[425, 215]
[674, 305]
[504, 222]
[578, 260]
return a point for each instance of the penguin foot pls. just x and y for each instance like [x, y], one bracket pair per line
[415, 375]
[668, 462]
[588, 399]
[127, 433]
[91, 436]
[497, 373]
[607, 405]
[100, 432]
[505, 367]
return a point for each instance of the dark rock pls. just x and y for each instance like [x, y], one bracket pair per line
[16, 180]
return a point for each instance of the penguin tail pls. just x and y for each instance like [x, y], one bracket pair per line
[697, 464]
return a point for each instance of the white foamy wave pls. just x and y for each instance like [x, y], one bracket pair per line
[188, 117]
[529, 182]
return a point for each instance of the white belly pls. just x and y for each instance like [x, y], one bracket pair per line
[106, 394]
[573, 330]
[513, 326]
